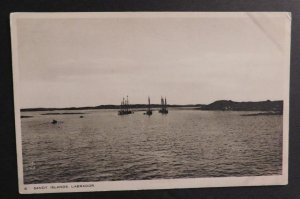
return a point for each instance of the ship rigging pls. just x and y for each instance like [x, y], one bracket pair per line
[164, 109]
[125, 107]
[149, 111]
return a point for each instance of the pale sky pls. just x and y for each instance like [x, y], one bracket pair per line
[73, 61]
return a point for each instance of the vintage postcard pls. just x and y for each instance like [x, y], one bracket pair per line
[150, 100]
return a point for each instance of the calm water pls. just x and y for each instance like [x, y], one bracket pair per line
[185, 143]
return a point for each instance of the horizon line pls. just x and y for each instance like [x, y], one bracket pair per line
[190, 104]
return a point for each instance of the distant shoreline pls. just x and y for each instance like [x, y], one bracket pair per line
[222, 105]
[263, 113]
[62, 113]
[132, 106]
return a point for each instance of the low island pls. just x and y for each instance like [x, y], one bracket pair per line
[266, 107]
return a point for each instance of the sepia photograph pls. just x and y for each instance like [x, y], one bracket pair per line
[150, 100]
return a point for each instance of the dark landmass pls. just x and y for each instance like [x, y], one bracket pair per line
[132, 106]
[221, 105]
[24, 116]
[265, 113]
[62, 113]
[228, 105]
[56, 109]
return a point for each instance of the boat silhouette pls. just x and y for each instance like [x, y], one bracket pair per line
[164, 108]
[54, 122]
[125, 107]
[149, 111]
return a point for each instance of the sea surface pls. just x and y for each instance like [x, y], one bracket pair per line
[103, 146]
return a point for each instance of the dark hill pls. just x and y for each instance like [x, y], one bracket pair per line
[226, 105]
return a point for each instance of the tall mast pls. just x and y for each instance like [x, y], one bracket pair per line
[165, 103]
[148, 103]
[124, 105]
[127, 104]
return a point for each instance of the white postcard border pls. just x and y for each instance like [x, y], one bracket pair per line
[146, 184]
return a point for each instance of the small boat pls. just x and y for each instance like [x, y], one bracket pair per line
[149, 111]
[81, 116]
[164, 108]
[54, 122]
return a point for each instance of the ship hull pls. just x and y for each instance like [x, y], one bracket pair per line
[125, 112]
[148, 113]
[164, 111]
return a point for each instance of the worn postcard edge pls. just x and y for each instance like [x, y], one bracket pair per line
[145, 184]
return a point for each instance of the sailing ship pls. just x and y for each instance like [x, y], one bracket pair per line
[125, 107]
[164, 109]
[149, 111]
